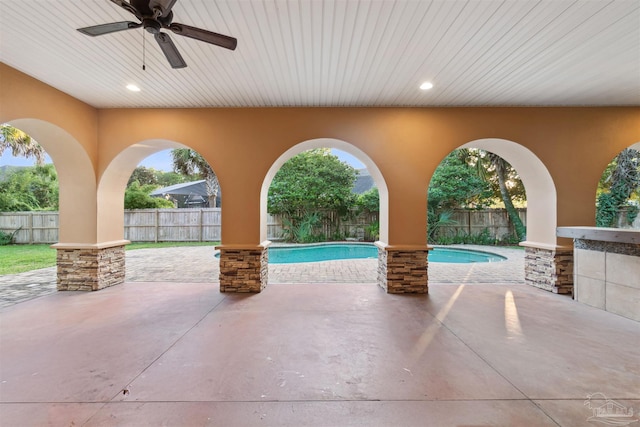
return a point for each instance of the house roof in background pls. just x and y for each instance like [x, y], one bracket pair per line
[184, 189]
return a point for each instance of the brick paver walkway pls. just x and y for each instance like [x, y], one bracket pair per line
[197, 264]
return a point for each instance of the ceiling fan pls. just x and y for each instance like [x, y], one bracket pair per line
[155, 15]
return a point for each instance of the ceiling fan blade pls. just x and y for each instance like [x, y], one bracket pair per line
[98, 30]
[164, 5]
[170, 50]
[204, 35]
[128, 7]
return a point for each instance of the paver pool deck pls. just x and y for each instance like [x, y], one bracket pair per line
[168, 348]
[197, 264]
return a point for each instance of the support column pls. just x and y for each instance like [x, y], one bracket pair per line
[90, 267]
[244, 268]
[403, 269]
[549, 268]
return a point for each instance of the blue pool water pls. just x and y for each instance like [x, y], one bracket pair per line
[327, 252]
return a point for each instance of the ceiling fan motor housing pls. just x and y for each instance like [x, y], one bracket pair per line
[151, 25]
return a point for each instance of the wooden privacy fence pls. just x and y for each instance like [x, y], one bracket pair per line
[172, 225]
[473, 222]
[144, 225]
[204, 225]
[355, 226]
[34, 227]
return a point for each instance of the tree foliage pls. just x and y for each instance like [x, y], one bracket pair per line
[312, 181]
[308, 184]
[504, 180]
[455, 184]
[137, 196]
[30, 188]
[165, 179]
[144, 176]
[473, 178]
[619, 184]
[190, 163]
[369, 201]
[151, 176]
[20, 144]
[142, 182]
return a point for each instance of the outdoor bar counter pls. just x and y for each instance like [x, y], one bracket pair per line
[606, 266]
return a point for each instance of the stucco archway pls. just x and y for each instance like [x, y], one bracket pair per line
[339, 145]
[547, 265]
[111, 192]
[541, 191]
[113, 182]
[76, 179]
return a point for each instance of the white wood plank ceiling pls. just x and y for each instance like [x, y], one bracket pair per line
[339, 53]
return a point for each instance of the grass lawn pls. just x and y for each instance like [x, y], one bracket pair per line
[20, 258]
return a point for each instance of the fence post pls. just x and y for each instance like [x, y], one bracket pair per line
[157, 224]
[201, 226]
[30, 225]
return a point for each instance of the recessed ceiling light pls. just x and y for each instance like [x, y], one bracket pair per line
[426, 85]
[133, 88]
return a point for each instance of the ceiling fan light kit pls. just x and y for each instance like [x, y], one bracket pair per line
[154, 15]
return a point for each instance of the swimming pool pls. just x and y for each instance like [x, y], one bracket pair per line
[337, 251]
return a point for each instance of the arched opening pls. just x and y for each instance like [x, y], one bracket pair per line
[378, 180]
[76, 180]
[474, 197]
[29, 190]
[618, 192]
[181, 223]
[76, 225]
[339, 145]
[28, 186]
[545, 265]
[476, 214]
[540, 189]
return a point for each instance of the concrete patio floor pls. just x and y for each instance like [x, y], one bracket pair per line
[315, 354]
[197, 264]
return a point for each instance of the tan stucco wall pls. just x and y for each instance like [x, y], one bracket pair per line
[406, 144]
[22, 97]
[68, 130]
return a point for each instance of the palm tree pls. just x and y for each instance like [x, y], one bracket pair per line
[501, 167]
[490, 166]
[20, 144]
[189, 162]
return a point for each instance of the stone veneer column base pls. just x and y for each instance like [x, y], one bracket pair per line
[549, 269]
[90, 268]
[403, 270]
[244, 269]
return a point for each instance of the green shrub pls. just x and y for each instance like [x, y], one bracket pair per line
[435, 220]
[302, 230]
[372, 231]
[137, 197]
[7, 238]
[483, 238]
[632, 214]
[369, 201]
[607, 210]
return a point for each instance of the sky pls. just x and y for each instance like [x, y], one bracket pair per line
[8, 159]
[161, 160]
